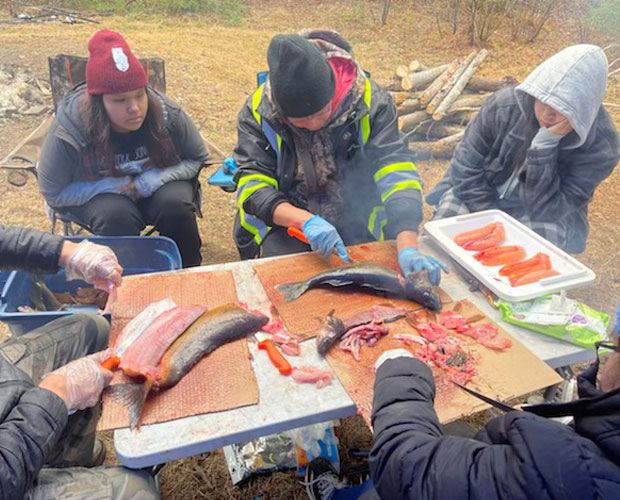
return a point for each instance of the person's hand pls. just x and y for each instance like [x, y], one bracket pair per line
[95, 264]
[131, 191]
[392, 354]
[323, 237]
[80, 382]
[410, 260]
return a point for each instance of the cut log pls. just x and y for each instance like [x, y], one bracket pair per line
[409, 106]
[439, 149]
[419, 80]
[460, 117]
[477, 84]
[416, 65]
[407, 123]
[446, 103]
[400, 97]
[439, 82]
[449, 83]
[402, 71]
[433, 131]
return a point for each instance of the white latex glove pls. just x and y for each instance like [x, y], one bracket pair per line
[392, 354]
[80, 382]
[95, 264]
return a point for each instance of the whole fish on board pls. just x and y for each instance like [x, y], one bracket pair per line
[211, 330]
[416, 286]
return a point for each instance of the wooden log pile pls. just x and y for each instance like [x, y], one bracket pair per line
[436, 103]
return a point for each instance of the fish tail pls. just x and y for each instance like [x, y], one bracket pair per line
[132, 397]
[292, 291]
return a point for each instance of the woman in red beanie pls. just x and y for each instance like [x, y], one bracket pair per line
[121, 155]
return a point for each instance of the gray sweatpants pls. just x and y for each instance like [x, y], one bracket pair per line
[66, 474]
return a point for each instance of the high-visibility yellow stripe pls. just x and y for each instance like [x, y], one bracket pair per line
[400, 186]
[256, 101]
[365, 121]
[244, 196]
[404, 166]
[257, 177]
[372, 221]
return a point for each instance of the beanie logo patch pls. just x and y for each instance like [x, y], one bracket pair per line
[120, 59]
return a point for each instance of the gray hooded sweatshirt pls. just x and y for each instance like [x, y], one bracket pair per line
[556, 177]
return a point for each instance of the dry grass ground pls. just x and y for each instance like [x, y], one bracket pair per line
[211, 68]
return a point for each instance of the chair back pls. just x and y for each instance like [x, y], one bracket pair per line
[67, 72]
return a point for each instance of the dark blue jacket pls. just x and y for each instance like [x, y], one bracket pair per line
[517, 455]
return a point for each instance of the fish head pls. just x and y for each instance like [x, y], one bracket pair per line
[331, 330]
[418, 288]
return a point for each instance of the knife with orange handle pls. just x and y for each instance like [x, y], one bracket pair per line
[299, 234]
[275, 356]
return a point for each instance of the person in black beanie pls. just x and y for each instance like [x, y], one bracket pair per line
[319, 150]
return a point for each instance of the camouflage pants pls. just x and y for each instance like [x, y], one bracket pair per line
[42, 351]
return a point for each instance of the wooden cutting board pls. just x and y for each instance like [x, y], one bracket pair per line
[201, 390]
[302, 316]
[502, 375]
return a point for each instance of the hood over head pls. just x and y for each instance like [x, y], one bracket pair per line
[573, 83]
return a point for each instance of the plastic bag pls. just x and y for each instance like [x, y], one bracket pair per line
[317, 440]
[260, 456]
[558, 317]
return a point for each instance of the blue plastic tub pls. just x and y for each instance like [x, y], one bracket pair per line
[137, 255]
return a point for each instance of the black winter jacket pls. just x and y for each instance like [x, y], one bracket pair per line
[357, 164]
[31, 419]
[517, 455]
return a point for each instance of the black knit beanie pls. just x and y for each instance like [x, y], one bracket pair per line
[302, 81]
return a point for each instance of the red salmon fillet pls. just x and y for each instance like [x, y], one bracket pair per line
[142, 357]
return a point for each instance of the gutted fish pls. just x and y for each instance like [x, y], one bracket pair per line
[211, 330]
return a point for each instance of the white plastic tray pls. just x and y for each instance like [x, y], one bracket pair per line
[572, 272]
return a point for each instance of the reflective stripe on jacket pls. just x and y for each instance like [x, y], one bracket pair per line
[380, 184]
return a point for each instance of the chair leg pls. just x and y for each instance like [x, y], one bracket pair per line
[67, 229]
[53, 221]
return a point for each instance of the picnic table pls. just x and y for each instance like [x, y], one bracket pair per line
[284, 404]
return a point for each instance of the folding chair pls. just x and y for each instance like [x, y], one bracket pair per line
[66, 73]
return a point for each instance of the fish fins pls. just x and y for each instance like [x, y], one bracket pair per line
[132, 397]
[292, 291]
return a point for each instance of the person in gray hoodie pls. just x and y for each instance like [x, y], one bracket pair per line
[121, 155]
[538, 150]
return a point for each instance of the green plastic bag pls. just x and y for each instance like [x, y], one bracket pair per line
[558, 317]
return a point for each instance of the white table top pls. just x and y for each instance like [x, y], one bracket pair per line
[283, 403]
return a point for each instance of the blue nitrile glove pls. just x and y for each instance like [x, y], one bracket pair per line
[410, 260]
[323, 237]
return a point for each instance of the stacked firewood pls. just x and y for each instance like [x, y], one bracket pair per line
[435, 104]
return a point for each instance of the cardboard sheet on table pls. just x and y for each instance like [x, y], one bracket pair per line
[502, 375]
[300, 315]
[210, 385]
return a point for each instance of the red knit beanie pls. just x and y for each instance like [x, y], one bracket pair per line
[111, 66]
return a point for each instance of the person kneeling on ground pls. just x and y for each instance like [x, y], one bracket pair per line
[120, 155]
[538, 150]
[51, 372]
[517, 455]
[319, 150]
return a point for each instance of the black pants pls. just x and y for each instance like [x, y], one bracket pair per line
[171, 210]
[278, 242]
